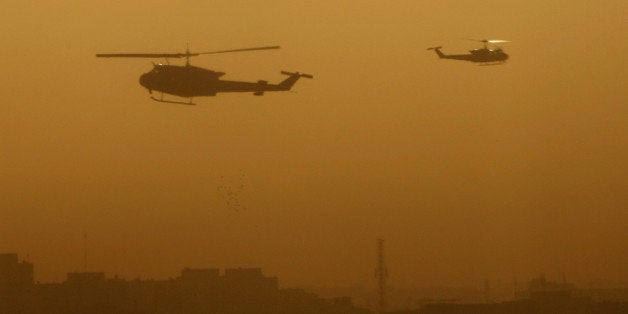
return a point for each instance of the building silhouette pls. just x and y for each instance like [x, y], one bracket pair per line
[194, 291]
[248, 290]
[540, 297]
[16, 284]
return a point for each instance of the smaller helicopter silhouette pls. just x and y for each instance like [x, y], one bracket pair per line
[188, 81]
[484, 55]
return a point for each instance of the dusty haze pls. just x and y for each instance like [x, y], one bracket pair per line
[468, 172]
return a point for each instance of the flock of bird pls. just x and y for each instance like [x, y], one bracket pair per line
[231, 190]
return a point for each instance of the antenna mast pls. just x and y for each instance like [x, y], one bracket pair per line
[381, 273]
[85, 251]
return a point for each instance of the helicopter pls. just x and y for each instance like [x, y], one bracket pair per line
[189, 81]
[483, 55]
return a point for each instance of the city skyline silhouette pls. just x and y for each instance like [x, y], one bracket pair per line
[248, 290]
[472, 174]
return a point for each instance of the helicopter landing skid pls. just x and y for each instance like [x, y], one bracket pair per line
[492, 63]
[190, 103]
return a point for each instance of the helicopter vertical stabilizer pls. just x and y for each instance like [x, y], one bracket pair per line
[438, 52]
[293, 77]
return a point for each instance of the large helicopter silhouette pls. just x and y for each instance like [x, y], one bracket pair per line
[483, 55]
[189, 81]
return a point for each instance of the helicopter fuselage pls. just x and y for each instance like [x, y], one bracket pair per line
[190, 81]
[482, 55]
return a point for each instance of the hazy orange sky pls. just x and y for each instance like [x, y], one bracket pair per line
[467, 172]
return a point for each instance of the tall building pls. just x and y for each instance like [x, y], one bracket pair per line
[16, 284]
[14, 273]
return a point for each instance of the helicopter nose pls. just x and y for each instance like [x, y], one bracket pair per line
[144, 80]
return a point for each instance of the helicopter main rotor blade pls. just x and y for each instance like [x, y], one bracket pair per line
[177, 55]
[492, 41]
[237, 50]
[143, 55]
